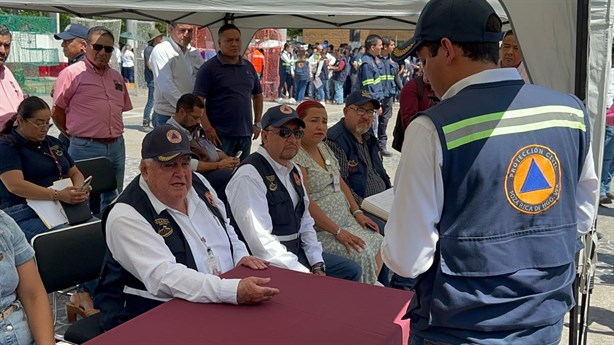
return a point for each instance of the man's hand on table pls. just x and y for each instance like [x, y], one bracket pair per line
[253, 263]
[252, 291]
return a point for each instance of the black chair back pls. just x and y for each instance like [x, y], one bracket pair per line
[103, 178]
[69, 256]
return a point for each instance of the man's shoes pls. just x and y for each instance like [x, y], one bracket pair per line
[386, 153]
[604, 200]
[610, 195]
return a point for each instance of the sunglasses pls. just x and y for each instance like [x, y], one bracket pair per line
[286, 132]
[99, 47]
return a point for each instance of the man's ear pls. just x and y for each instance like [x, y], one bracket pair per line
[449, 49]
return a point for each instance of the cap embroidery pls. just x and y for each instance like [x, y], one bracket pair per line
[173, 136]
[285, 109]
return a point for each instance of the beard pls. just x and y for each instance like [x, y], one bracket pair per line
[362, 128]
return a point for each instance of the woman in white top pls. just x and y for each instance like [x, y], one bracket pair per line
[128, 64]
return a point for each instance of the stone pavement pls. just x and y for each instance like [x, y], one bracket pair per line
[601, 315]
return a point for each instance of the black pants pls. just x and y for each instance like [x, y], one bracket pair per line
[382, 122]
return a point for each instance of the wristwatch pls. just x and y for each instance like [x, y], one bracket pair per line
[318, 267]
[258, 124]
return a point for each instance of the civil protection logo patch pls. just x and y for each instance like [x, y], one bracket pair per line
[533, 179]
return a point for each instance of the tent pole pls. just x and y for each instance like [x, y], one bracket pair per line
[582, 20]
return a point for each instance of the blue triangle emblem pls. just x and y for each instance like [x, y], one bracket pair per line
[535, 180]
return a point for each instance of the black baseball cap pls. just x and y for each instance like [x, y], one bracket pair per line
[72, 31]
[359, 97]
[279, 116]
[165, 144]
[462, 21]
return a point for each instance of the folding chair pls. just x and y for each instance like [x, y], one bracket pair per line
[67, 257]
[103, 178]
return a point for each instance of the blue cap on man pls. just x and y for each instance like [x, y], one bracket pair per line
[72, 31]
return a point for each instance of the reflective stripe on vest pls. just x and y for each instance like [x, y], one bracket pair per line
[372, 81]
[511, 122]
[285, 238]
[145, 294]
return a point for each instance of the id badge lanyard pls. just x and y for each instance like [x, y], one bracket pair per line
[212, 262]
[336, 176]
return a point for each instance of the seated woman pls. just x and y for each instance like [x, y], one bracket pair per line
[24, 306]
[342, 227]
[30, 161]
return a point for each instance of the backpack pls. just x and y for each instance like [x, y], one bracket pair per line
[398, 133]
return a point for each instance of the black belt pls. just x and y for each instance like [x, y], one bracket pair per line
[101, 140]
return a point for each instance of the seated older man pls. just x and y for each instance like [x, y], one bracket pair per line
[271, 207]
[168, 236]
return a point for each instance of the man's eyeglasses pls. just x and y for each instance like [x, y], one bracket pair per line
[99, 47]
[45, 125]
[287, 132]
[362, 111]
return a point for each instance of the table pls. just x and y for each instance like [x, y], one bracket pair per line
[309, 310]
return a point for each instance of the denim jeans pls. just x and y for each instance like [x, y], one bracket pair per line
[150, 102]
[320, 93]
[299, 89]
[159, 119]
[607, 169]
[128, 74]
[28, 220]
[338, 99]
[81, 148]
[336, 266]
[231, 145]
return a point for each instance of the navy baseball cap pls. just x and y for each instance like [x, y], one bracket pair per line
[462, 21]
[72, 31]
[165, 144]
[279, 116]
[359, 97]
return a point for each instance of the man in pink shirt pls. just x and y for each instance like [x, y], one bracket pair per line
[89, 99]
[10, 92]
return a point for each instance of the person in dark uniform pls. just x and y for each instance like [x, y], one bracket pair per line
[494, 185]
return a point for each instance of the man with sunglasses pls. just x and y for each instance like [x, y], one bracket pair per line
[271, 207]
[174, 64]
[89, 100]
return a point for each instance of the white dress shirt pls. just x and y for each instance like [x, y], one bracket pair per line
[411, 231]
[246, 193]
[174, 74]
[142, 252]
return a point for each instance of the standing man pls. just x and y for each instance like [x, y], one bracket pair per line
[369, 73]
[258, 61]
[341, 70]
[495, 184]
[231, 88]
[10, 92]
[74, 42]
[168, 237]
[89, 99]
[271, 206]
[388, 76]
[511, 56]
[174, 64]
[155, 37]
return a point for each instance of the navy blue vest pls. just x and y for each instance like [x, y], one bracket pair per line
[357, 179]
[116, 306]
[285, 221]
[504, 263]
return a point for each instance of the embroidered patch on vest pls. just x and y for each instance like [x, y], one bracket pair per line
[57, 150]
[164, 229]
[533, 179]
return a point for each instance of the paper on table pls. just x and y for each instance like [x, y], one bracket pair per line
[49, 211]
[379, 204]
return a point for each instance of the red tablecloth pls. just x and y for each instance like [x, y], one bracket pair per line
[309, 310]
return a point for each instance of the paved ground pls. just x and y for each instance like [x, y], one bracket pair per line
[601, 316]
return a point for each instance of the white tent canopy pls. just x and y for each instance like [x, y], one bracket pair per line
[546, 29]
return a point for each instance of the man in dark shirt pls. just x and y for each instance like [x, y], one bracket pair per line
[231, 87]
